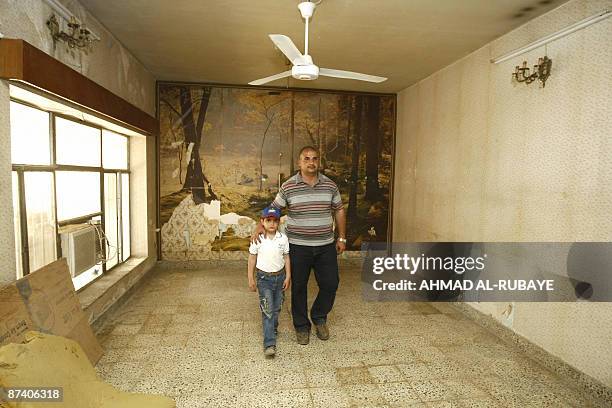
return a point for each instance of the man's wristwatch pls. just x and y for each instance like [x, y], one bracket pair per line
[343, 240]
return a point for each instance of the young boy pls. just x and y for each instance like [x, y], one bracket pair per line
[271, 257]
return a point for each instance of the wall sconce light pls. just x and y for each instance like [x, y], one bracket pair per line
[78, 36]
[541, 71]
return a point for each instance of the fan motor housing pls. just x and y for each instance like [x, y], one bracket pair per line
[305, 72]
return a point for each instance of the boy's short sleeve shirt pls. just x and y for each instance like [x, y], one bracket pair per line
[270, 252]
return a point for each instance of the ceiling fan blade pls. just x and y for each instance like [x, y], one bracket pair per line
[337, 73]
[270, 78]
[287, 47]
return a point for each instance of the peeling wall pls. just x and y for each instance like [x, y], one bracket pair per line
[483, 159]
[110, 65]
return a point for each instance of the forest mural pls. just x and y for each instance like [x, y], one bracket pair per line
[224, 151]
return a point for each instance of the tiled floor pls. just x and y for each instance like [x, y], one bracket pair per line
[195, 335]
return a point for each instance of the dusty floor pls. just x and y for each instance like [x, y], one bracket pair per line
[195, 335]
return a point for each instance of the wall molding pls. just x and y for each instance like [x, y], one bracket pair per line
[21, 61]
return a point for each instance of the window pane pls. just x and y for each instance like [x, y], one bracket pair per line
[78, 194]
[40, 212]
[17, 223]
[114, 150]
[76, 144]
[110, 219]
[29, 135]
[125, 215]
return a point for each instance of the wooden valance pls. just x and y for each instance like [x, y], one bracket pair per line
[22, 61]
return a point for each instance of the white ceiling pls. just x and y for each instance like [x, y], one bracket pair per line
[226, 41]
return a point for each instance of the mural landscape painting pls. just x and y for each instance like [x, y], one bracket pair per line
[224, 151]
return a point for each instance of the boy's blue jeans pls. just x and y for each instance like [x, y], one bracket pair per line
[271, 296]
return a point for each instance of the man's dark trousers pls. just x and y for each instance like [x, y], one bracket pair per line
[325, 263]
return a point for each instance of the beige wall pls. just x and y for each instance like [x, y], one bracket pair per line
[483, 159]
[7, 249]
[110, 65]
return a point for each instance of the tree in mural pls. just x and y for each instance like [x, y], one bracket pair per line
[262, 108]
[171, 137]
[307, 122]
[343, 121]
[373, 140]
[316, 116]
[195, 179]
[357, 114]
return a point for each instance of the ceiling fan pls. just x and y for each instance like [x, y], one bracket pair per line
[303, 67]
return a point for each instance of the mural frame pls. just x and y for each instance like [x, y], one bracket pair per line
[159, 84]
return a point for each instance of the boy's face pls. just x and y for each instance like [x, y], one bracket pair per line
[270, 224]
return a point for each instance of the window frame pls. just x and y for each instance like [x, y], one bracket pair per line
[53, 167]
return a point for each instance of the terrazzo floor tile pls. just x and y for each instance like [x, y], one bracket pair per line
[364, 395]
[430, 391]
[206, 400]
[196, 336]
[329, 397]
[398, 394]
[385, 374]
[271, 379]
[321, 377]
[478, 403]
[353, 376]
[464, 389]
[278, 399]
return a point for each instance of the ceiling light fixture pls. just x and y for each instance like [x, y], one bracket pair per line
[554, 36]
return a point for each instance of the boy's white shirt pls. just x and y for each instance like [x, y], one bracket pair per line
[270, 252]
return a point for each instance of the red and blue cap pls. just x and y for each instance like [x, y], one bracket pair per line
[271, 212]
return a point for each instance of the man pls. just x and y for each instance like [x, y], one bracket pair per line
[312, 200]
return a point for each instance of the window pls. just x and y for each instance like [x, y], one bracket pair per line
[78, 193]
[114, 150]
[68, 175]
[40, 215]
[17, 222]
[77, 144]
[29, 128]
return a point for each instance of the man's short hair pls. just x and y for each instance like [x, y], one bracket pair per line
[306, 148]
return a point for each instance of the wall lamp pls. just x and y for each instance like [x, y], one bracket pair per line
[541, 71]
[76, 35]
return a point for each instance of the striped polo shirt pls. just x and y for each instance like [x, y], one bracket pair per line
[310, 209]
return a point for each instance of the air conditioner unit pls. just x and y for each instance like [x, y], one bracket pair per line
[79, 249]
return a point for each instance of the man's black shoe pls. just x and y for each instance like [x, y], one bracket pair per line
[303, 337]
[322, 331]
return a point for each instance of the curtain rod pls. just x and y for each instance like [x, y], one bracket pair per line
[554, 36]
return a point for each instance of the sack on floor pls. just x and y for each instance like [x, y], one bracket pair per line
[53, 361]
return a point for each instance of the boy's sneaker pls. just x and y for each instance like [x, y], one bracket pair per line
[270, 351]
[322, 331]
[303, 337]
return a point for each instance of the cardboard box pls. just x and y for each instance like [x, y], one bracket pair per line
[45, 301]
